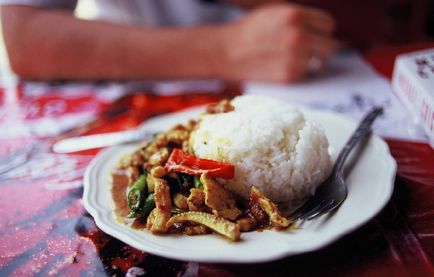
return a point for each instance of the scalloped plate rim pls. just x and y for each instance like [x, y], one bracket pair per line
[147, 242]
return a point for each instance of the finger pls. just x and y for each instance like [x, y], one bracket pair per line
[318, 44]
[319, 20]
[312, 55]
[323, 47]
[298, 63]
[315, 19]
[299, 38]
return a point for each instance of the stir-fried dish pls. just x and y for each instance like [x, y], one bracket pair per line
[164, 188]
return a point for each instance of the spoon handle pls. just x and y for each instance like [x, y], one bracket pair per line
[362, 130]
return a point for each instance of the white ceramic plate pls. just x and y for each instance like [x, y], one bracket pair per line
[370, 185]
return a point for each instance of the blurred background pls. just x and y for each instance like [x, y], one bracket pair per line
[360, 24]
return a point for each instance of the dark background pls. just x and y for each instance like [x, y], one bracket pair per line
[375, 22]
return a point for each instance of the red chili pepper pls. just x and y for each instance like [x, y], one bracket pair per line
[184, 163]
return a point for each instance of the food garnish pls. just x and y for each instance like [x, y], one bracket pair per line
[184, 163]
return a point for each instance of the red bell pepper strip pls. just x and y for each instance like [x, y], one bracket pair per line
[185, 163]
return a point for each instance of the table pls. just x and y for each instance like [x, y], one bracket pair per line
[44, 229]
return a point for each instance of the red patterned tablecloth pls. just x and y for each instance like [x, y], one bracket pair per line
[44, 229]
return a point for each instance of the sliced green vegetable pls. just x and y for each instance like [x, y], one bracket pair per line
[197, 183]
[149, 205]
[137, 194]
[132, 215]
[144, 211]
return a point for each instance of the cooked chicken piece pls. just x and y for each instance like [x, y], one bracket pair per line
[219, 225]
[231, 214]
[150, 182]
[185, 146]
[133, 159]
[196, 230]
[125, 161]
[151, 218]
[178, 136]
[151, 149]
[121, 182]
[191, 124]
[196, 200]
[276, 219]
[137, 158]
[223, 106]
[247, 224]
[134, 173]
[220, 200]
[160, 157]
[161, 140]
[162, 211]
[158, 171]
[180, 201]
[258, 213]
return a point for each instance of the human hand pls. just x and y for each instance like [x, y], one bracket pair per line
[278, 43]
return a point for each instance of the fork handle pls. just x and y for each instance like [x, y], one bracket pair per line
[362, 130]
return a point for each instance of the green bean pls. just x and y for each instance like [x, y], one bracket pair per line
[132, 215]
[148, 206]
[137, 194]
[146, 209]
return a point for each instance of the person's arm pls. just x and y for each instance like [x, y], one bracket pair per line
[273, 43]
[249, 4]
[45, 44]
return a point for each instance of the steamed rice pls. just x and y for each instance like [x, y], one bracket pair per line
[271, 145]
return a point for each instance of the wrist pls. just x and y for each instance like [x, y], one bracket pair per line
[226, 49]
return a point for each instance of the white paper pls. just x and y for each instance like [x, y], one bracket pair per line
[351, 87]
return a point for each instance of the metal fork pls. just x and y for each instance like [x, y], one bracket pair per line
[333, 191]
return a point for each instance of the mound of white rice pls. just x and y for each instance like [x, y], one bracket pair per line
[270, 144]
